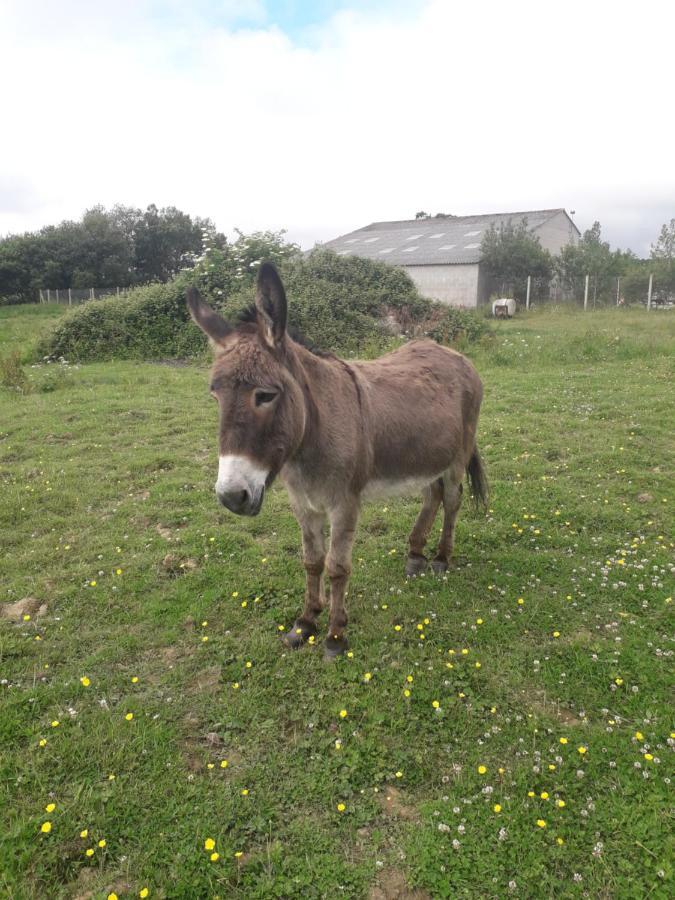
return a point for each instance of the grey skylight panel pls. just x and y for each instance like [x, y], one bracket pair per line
[414, 237]
[410, 249]
[447, 246]
[387, 250]
[370, 240]
[433, 237]
[471, 246]
[472, 233]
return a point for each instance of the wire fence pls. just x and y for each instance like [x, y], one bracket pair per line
[75, 296]
[647, 289]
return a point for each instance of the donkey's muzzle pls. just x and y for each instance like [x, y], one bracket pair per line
[242, 503]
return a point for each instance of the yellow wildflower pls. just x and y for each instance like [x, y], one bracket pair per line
[46, 827]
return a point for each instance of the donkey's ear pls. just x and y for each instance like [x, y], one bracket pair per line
[213, 325]
[270, 301]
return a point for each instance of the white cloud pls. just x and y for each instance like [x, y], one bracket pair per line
[460, 108]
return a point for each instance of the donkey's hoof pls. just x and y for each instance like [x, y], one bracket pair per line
[299, 634]
[415, 565]
[439, 566]
[335, 647]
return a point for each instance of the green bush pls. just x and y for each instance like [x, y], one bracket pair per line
[147, 323]
[336, 303]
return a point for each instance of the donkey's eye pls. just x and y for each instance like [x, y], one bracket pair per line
[263, 398]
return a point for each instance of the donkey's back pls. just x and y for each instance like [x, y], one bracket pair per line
[422, 405]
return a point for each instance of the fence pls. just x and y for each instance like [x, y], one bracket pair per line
[74, 296]
[648, 289]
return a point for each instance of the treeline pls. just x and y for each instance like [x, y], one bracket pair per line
[512, 252]
[106, 248]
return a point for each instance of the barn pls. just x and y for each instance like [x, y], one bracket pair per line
[442, 253]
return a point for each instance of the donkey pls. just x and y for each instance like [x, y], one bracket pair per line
[335, 432]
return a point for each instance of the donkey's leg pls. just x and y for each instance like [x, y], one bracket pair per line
[312, 525]
[339, 566]
[417, 561]
[452, 499]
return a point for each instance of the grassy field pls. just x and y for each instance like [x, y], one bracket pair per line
[505, 730]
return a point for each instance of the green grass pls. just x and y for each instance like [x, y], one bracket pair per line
[111, 468]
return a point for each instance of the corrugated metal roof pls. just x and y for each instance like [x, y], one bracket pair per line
[443, 240]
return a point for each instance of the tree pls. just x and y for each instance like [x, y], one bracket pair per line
[509, 254]
[663, 256]
[105, 248]
[664, 248]
[593, 257]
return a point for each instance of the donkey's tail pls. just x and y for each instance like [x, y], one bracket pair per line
[478, 479]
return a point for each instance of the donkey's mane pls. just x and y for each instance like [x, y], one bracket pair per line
[249, 315]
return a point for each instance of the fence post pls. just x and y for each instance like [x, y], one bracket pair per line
[586, 294]
[649, 292]
[49, 299]
[527, 298]
[70, 297]
[618, 289]
[57, 296]
[117, 291]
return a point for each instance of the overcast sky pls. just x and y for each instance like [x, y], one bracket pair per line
[320, 117]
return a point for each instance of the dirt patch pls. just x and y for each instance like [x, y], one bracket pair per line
[393, 803]
[206, 682]
[645, 498]
[29, 606]
[392, 885]
[164, 532]
[87, 876]
[174, 565]
[553, 710]
[161, 660]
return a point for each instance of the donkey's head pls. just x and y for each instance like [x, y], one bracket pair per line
[262, 411]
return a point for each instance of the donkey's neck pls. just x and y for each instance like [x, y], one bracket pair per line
[331, 389]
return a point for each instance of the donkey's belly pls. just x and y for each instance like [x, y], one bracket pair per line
[397, 487]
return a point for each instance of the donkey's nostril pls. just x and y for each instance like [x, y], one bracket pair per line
[235, 501]
[239, 499]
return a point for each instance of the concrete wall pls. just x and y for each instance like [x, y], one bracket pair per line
[556, 233]
[455, 285]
